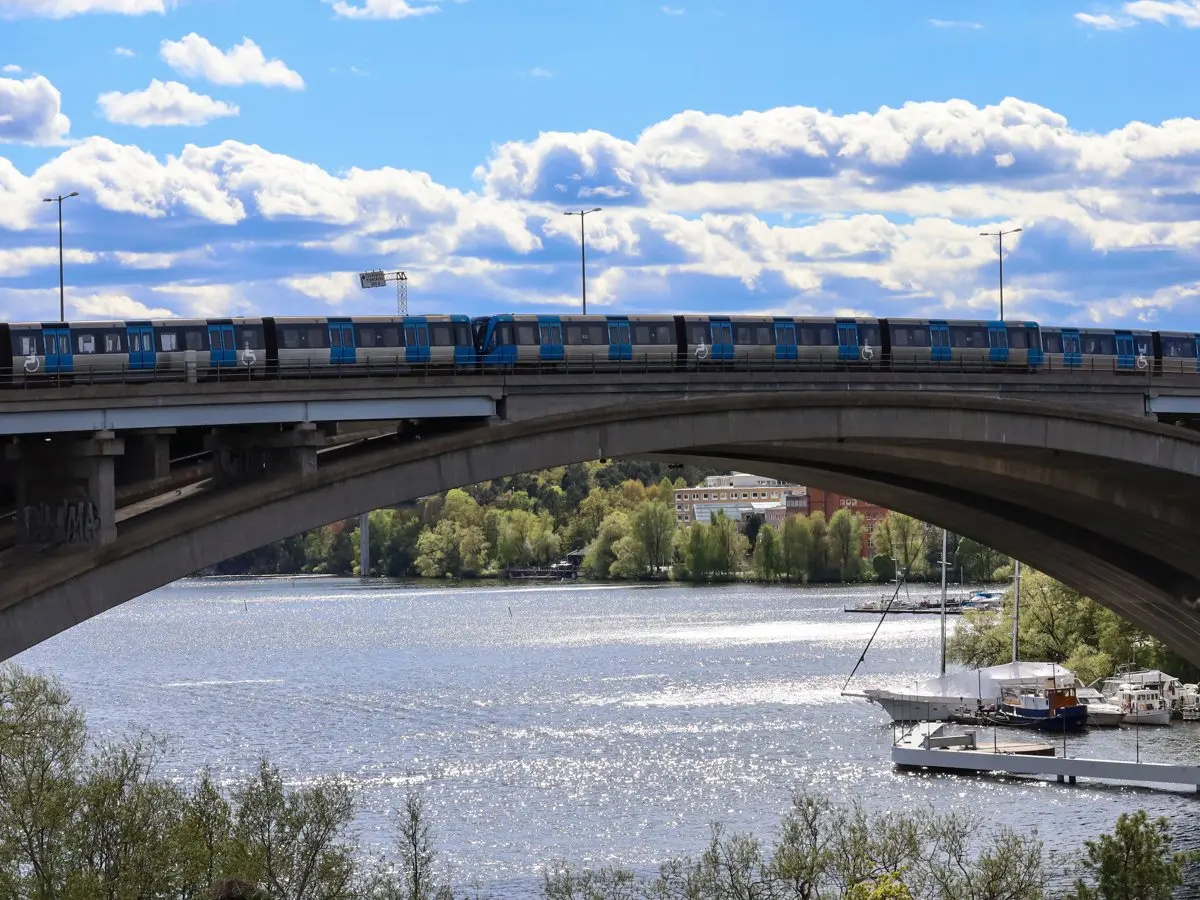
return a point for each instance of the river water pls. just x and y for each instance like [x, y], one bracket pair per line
[599, 724]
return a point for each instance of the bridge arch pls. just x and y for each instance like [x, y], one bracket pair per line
[1002, 471]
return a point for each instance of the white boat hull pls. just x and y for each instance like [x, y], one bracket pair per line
[919, 708]
[1103, 718]
[1148, 717]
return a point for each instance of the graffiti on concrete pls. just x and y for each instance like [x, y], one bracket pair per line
[74, 522]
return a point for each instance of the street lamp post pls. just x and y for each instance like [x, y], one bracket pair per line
[582, 213]
[1000, 234]
[62, 310]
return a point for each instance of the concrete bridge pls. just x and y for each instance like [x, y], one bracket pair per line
[115, 490]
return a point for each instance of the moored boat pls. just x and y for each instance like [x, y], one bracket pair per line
[1048, 708]
[1142, 706]
[1100, 712]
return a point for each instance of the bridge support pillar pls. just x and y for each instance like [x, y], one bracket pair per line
[261, 452]
[66, 489]
[147, 456]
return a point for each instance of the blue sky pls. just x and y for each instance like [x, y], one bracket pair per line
[791, 157]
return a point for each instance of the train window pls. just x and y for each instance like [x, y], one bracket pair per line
[87, 343]
[291, 338]
[504, 334]
[194, 339]
[227, 338]
[441, 335]
[1018, 339]
[28, 344]
[662, 333]
[763, 334]
[112, 342]
[247, 338]
[721, 333]
[1179, 348]
[335, 337]
[1052, 342]
[391, 336]
[698, 333]
[744, 334]
[168, 341]
[969, 337]
[366, 337]
[315, 337]
[1100, 344]
[574, 334]
[641, 334]
[997, 339]
[785, 336]
[526, 335]
[416, 336]
[847, 336]
[462, 335]
[868, 335]
[1070, 343]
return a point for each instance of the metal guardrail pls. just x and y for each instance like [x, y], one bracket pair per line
[645, 365]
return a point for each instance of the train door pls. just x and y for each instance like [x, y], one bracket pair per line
[847, 342]
[785, 340]
[722, 338]
[939, 342]
[551, 340]
[58, 350]
[221, 349]
[416, 340]
[141, 346]
[997, 343]
[1125, 357]
[342, 350]
[1072, 355]
[620, 342]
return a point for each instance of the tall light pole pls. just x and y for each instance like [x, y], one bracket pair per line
[62, 310]
[1000, 234]
[582, 213]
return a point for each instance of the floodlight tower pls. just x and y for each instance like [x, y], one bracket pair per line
[377, 278]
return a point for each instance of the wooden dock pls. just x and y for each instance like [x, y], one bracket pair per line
[934, 745]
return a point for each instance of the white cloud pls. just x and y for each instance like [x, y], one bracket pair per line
[672, 10]
[383, 9]
[1164, 12]
[539, 72]
[243, 63]
[124, 51]
[333, 288]
[114, 306]
[30, 111]
[169, 103]
[955, 23]
[62, 9]
[23, 260]
[11, 69]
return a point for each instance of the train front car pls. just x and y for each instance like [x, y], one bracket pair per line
[1175, 352]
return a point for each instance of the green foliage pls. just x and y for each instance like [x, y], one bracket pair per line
[797, 548]
[844, 539]
[710, 552]
[1135, 862]
[883, 567]
[903, 538]
[768, 555]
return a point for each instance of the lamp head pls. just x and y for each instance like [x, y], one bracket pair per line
[76, 194]
[597, 209]
[47, 199]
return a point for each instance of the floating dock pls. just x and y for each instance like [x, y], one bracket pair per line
[934, 745]
[907, 610]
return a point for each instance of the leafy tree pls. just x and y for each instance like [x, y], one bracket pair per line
[904, 538]
[978, 562]
[600, 554]
[796, 539]
[768, 554]
[818, 566]
[1135, 862]
[653, 526]
[844, 538]
[750, 526]
[883, 567]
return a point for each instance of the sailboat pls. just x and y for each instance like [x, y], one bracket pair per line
[964, 694]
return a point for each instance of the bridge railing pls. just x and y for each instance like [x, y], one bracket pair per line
[19, 379]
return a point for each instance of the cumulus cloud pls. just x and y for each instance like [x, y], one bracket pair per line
[383, 9]
[169, 103]
[244, 63]
[114, 306]
[1164, 12]
[790, 210]
[30, 111]
[539, 72]
[11, 69]
[62, 9]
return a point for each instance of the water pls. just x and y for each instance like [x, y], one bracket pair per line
[599, 724]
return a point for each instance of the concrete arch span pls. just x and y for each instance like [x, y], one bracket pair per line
[153, 550]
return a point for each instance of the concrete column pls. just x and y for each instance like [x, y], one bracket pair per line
[66, 489]
[264, 451]
[147, 456]
[364, 545]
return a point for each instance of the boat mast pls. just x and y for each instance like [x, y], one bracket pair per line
[1016, 605]
[945, 562]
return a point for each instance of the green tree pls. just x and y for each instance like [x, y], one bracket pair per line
[796, 541]
[844, 537]
[600, 554]
[653, 526]
[883, 567]
[1135, 862]
[768, 555]
[904, 538]
[818, 566]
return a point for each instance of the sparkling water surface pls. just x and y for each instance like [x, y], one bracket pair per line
[599, 724]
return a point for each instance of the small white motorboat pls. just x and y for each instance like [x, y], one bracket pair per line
[1100, 713]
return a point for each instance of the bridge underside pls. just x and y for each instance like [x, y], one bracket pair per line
[1103, 503]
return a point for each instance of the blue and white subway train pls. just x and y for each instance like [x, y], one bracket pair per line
[279, 347]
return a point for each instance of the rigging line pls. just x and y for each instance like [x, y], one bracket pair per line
[899, 584]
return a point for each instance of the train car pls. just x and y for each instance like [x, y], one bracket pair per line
[915, 343]
[1117, 350]
[327, 345]
[804, 342]
[509, 340]
[1175, 352]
